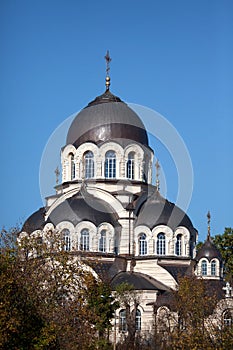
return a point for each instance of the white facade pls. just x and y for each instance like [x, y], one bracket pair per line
[118, 175]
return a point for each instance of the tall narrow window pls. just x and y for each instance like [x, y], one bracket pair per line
[138, 320]
[213, 268]
[122, 321]
[102, 241]
[179, 245]
[84, 241]
[66, 240]
[130, 166]
[227, 318]
[110, 164]
[89, 165]
[204, 268]
[161, 244]
[142, 244]
[72, 166]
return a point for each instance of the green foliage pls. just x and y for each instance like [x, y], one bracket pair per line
[50, 299]
[21, 325]
[129, 299]
[102, 305]
[193, 305]
[224, 243]
[191, 326]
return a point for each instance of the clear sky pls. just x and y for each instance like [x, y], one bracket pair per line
[175, 57]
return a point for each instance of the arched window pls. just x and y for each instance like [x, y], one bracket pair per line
[179, 245]
[39, 245]
[122, 321]
[110, 165]
[138, 320]
[204, 268]
[84, 241]
[130, 166]
[227, 318]
[161, 250]
[89, 165]
[142, 244]
[72, 166]
[66, 239]
[102, 241]
[213, 268]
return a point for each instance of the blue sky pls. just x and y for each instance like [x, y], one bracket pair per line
[174, 57]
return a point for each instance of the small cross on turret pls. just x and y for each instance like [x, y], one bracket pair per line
[228, 290]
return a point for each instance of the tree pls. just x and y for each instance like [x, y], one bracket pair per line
[224, 243]
[193, 305]
[129, 300]
[190, 323]
[100, 300]
[48, 296]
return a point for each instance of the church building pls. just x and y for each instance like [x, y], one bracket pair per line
[106, 206]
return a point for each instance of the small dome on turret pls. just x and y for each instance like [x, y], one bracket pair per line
[208, 251]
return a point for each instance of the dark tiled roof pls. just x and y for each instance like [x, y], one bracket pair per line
[35, 222]
[156, 210]
[209, 251]
[108, 269]
[105, 119]
[139, 281]
[165, 299]
[83, 207]
[213, 289]
[176, 270]
[106, 97]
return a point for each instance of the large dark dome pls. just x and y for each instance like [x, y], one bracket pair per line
[157, 210]
[35, 221]
[83, 208]
[80, 207]
[104, 119]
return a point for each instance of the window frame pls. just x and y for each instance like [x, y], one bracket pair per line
[130, 166]
[85, 239]
[110, 165]
[161, 244]
[204, 267]
[66, 240]
[72, 166]
[103, 241]
[89, 165]
[142, 244]
[213, 267]
[178, 245]
[122, 321]
[227, 318]
[138, 320]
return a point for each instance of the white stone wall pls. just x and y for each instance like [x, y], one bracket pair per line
[143, 158]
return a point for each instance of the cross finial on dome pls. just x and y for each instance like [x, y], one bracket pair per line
[208, 222]
[107, 79]
[157, 166]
